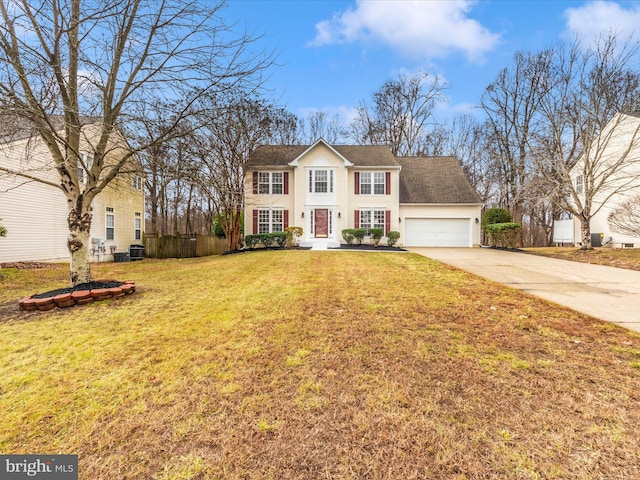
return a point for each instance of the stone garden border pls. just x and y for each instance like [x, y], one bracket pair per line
[78, 297]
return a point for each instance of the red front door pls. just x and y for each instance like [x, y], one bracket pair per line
[321, 220]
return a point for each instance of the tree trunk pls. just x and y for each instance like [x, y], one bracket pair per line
[585, 232]
[78, 244]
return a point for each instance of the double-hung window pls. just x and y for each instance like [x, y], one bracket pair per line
[270, 183]
[136, 182]
[86, 162]
[270, 220]
[110, 222]
[137, 226]
[579, 184]
[372, 183]
[320, 181]
[372, 218]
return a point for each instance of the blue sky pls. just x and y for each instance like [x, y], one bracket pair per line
[332, 54]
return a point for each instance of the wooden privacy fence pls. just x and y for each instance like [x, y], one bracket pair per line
[182, 246]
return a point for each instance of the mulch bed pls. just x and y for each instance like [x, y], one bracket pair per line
[81, 294]
[379, 248]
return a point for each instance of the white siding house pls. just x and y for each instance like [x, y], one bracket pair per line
[33, 208]
[616, 167]
[327, 188]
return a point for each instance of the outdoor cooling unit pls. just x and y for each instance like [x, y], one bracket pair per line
[136, 252]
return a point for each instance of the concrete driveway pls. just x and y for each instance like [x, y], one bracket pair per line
[608, 293]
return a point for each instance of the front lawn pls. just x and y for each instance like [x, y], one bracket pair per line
[309, 365]
[628, 258]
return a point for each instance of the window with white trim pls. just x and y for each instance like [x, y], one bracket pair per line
[86, 162]
[320, 181]
[372, 183]
[372, 218]
[270, 220]
[137, 226]
[270, 183]
[110, 222]
[136, 182]
[579, 184]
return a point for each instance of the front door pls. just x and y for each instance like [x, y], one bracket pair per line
[321, 220]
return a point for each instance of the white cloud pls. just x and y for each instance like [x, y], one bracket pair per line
[600, 18]
[423, 29]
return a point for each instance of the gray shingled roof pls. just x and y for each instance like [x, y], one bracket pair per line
[422, 179]
[359, 155]
[434, 180]
[14, 127]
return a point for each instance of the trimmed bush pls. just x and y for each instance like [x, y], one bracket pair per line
[392, 237]
[359, 234]
[376, 235]
[280, 238]
[496, 215]
[348, 235]
[503, 234]
[266, 239]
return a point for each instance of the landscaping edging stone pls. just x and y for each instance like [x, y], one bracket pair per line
[37, 302]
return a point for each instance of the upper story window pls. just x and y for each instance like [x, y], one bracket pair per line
[321, 181]
[86, 162]
[137, 182]
[373, 183]
[579, 184]
[270, 183]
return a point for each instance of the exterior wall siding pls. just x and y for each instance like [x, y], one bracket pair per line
[35, 213]
[620, 141]
[257, 201]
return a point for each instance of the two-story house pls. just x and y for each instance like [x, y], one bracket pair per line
[327, 188]
[610, 176]
[34, 209]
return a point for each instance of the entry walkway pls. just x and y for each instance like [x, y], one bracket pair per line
[607, 293]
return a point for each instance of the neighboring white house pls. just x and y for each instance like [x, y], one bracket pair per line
[35, 213]
[327, 188]
[615, 163]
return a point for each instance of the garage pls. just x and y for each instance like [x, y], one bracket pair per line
[437, 232]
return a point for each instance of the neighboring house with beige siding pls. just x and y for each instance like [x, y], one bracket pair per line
[327, 188]
[34, 210]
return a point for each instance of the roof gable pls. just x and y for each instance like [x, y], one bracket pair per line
[353, 155]
[321, 141]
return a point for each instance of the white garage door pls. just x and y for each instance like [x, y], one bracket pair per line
[437, 232]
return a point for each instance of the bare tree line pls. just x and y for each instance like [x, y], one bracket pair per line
[185, 93]
[543, 116]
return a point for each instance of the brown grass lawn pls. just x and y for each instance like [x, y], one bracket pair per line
[628, 258]
[317, 365]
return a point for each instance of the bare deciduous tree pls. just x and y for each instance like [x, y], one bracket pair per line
[589, 149]
[323, 126]
[234, 127]
[512, 105]
[400, 114]
[626, 218]
[107, 61]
